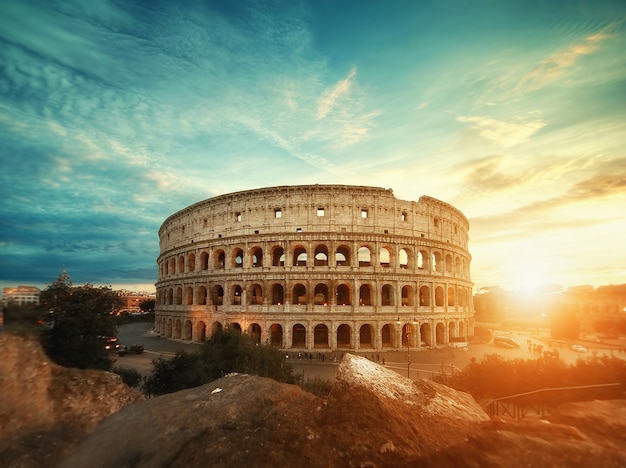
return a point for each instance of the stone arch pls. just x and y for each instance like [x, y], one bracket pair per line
[451, 331]
[366, 336]
[257, 257]
[404, 258]
[178, 329]
[254, 330]
[321, 255]
[172, 266]
[201, 295]
[188, 295]
[436, 261]
[181, 264]
[170, 296]
[216, 327]
[386, 295]
[320, 294]
[422, 260]
[387, 336]
[169, 332]
[204, 261]
[278, 294]
[299, 256]
[439, 296]
[426, 335]
[384, 257]
[276, 335]
[457, 266]
[191, 262]
[187, 329]
[236, 293]
[220, 260]
[320, 336]
[424, 296]
[238, 258]
[449, 264]
[217, 295]
[278, 256]
[298, 336]
[440, 333]
[200, 331]
[343, 294]
[179, 296]
[365, 256]
[407, 295]
[235, 326]
[255, 294]
[299, 294]
[365, 295]
[344, 336]
[342, 256]
[451, 296]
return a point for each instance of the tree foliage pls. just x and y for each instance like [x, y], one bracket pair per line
[77, 323]
[225, 352]
[147, 305]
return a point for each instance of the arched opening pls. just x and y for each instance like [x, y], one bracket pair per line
[238, 258]
[343, 336]
[236, 295]
[191, 262]
[424, 296]
[440, 332]
[449, 264]
[408, 335]
[204, 261]
[187, 330]
[299, 294]
[278, 257]
[201, 295]
[343, 295]
[458, 266]
[200, 332]
[172, 266]
[451, 296]
[407, 296]
[366, 336]
[451, 332]
[220, 260]
[170, 297]
[278, 295]
[254, 330]
[257, 257]
[298, 336]
[179, 296]
[386, 336]
[436, 261]
[217, 295]
[320, 336]
[384, 257]
[255, 296]
[170, 329]
[320, 294]
[403, 258]
[426, 335]
[276, 335]
[178, 330]
[386, 295]
[181, 264]
[342, 256]
[299, 256]
[188, 295]
[235, 326]
[216, 328]
[439, 296]
[321, 256]
[365, 295]
[364, 256]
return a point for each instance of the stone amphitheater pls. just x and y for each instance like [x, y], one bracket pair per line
[317, 268]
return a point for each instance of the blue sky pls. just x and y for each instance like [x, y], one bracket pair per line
[116, 114]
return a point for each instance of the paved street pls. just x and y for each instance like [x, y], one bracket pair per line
[423, 363]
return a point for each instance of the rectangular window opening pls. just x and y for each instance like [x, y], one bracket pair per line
[320, 212]
[364, 213]
[278, 213]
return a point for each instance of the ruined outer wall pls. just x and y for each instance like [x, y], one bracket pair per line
[317, 267]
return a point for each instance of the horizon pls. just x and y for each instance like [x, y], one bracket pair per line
[117, 115]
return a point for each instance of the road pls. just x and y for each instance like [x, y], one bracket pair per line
[420, 363]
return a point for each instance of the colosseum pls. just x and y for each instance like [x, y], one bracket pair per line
[315, 268]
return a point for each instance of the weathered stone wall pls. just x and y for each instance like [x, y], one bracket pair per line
[317, 267]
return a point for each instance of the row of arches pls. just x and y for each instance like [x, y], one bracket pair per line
[322, 294]
[324, 336]
[320, 255]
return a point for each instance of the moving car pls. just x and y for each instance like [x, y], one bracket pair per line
[132, 349]
[505, 342]
[579, 348]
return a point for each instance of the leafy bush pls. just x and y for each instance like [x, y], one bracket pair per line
[225, 352]
[130, 377]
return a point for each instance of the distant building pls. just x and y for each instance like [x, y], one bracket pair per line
[22, 295]
[132, 300]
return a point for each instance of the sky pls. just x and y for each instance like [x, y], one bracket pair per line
[116, 114]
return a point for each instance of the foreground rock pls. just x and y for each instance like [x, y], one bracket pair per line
[45, 409]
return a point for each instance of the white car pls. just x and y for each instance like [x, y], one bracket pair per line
[579, 348]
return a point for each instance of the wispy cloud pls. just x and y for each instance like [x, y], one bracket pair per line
[330, 98]
[559, 63]
[505, 133]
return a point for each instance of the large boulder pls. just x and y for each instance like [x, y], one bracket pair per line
[373, 417]
[45, 409]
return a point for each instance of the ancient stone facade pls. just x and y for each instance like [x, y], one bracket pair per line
[317, 267]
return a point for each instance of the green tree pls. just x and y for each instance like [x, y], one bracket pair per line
[77, 323]
[225, 352]
[147, 305]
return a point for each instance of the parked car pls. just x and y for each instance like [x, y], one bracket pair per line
[579, 348]
[505, 342]
[132, 349]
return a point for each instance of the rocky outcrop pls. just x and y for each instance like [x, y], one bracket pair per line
[45, 409]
